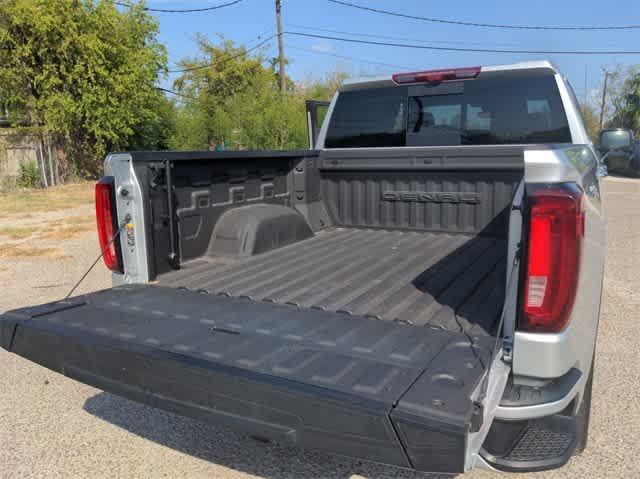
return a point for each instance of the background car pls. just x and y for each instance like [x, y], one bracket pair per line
[620, 151]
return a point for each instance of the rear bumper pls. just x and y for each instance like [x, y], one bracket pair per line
[543, 355]
[531, 446]
[531, 402]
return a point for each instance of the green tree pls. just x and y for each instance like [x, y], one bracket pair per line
[623, 98]
[591, 121]
[234, 100]
[232, 96]
[85, 72]
[324, 88]
[155, 133]
[627, 102]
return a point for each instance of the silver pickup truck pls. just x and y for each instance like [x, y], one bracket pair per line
[421, 289]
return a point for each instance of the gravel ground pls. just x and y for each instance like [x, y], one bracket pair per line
[51, 426]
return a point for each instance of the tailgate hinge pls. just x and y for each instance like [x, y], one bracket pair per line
[477, 417]
[507, 349]
[173, 258]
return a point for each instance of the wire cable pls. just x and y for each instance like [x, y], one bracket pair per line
[388, 37]
[361, 60]
[461, 49]
[86, 273]
[190, 10]
[223, 60]
[182, 95]
[482, 25]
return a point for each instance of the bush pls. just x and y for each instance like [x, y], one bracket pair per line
[29, 175]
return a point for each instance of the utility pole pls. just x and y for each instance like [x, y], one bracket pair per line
[584, 102]
[604, 97]
[283, 84]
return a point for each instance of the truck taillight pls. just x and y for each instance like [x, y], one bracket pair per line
[556, 230]
[436, 76]
[107, 224]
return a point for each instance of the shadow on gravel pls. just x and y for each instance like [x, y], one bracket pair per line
[231, 449]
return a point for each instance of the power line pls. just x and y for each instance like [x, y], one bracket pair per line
[482, 25]
[182, 95]
[223, 60]
[388, 37]
[190, 10]
[349, 58]
[476, 50]
[176, 64]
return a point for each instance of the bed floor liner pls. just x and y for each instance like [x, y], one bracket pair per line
[453, 282]
[377, 390]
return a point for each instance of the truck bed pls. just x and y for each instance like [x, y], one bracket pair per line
[453, 282]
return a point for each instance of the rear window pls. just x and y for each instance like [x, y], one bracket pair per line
[513, 109]
[375, 117]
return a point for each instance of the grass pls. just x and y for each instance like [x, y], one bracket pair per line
[19, 232]
[66, 232]
[28, 202]
[30, 205]
[20, 251]
[81, 220]
[68, 228]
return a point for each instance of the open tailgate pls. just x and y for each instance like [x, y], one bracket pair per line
[378, 390]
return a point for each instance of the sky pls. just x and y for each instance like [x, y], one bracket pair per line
[251, 21]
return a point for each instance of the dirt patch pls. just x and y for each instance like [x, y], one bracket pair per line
[19, 232]
[20, 251]
[65, 232]
[24, 203]
[81, 220]
[59, 230]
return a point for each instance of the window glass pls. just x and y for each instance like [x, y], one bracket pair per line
[493, 111]
[478, 119]
[538, 106]
[366, 118]
[515, 108]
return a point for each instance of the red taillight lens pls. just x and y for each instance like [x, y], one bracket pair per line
[107, 224]
[436, 76]
[556, 229]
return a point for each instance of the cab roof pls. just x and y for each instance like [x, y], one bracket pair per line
[385, 80]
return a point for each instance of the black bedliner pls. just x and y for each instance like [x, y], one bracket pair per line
[378, 390]
[439, 280]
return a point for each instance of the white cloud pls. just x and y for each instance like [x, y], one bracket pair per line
[323, 47]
